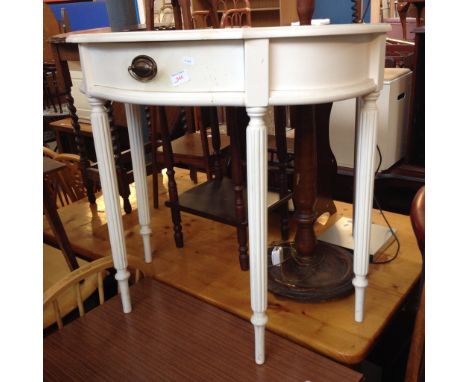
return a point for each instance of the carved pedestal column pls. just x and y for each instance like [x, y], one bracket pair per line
[314, 271]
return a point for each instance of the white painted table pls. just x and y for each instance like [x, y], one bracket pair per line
[254, 68]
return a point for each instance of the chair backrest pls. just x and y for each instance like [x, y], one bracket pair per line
[237, 16]
[417, 215]
[163, 13]
[73, 176]
[67, 185]
[74, 281]
[48, 153]
[415, 364]
[235, 13]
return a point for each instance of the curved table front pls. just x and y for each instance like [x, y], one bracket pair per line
[251, 67]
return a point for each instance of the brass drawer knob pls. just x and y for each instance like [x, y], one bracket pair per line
[143, 68]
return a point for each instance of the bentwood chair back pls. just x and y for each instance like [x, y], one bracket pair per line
[237, 16]
[76, 282]
[236, 13]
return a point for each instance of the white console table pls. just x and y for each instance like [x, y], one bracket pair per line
[251, 67]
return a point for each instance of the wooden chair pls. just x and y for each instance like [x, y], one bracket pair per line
[236, 16]
[66, 186]
[53, 105]
[415, 365]
[403, 7]
[236, 13]
[221, 198]
[55, 267]
[163, 13]
[200, 146]
[58, 53]
[205, 150]
[75, 283]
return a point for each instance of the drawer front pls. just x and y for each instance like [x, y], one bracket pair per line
[325, 69]
[204, 66]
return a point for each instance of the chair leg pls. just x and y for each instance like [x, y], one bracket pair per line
[242, 241]
[193, 175]
[151, 121]
[284, 222]
[84, 163]
[124, 188]
[282, 154]
[155, 188]
[233, 122]
[173, 195]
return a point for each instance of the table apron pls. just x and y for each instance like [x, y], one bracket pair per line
[230, 72]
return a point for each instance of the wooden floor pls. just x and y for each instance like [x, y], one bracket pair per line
[208, 268]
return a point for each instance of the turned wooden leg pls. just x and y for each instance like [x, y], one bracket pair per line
[419, 9]
[216, 142]
[110, 191]
[122, 177]
[173, 195]
[327, 167]
[258, 224]
[137, 148]
[84, 162]
[282, 153]
[234, 126]
[366, 137]
[305, 178]
[186, 14]
[402, 9]
[150, 115]
[55, 223]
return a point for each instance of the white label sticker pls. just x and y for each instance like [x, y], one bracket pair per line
[277, 255]
[189, 60]
[180, 78]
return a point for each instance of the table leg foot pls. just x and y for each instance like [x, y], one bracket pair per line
[360, 284]
[122, 279]
[259, 321]
[145, 233]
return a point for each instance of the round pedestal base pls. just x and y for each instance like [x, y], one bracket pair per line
[327, 276]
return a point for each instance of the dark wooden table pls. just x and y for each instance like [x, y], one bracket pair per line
[171, 336]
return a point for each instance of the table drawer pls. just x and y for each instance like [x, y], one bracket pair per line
[205, 66]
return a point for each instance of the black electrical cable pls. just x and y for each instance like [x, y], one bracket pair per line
[386, 221]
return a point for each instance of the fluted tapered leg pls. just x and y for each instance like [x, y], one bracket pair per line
[135, 135]
[366, 138]
[110, 191]
[257, 214]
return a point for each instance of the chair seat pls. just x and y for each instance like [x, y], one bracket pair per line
[190, 146]
[50, 112]
[289, 142]
[55, 268]
[66, 126]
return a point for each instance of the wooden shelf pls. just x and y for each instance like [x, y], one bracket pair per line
[214, 200]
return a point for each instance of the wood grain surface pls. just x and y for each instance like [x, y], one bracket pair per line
[171, 336]
[207, 267]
